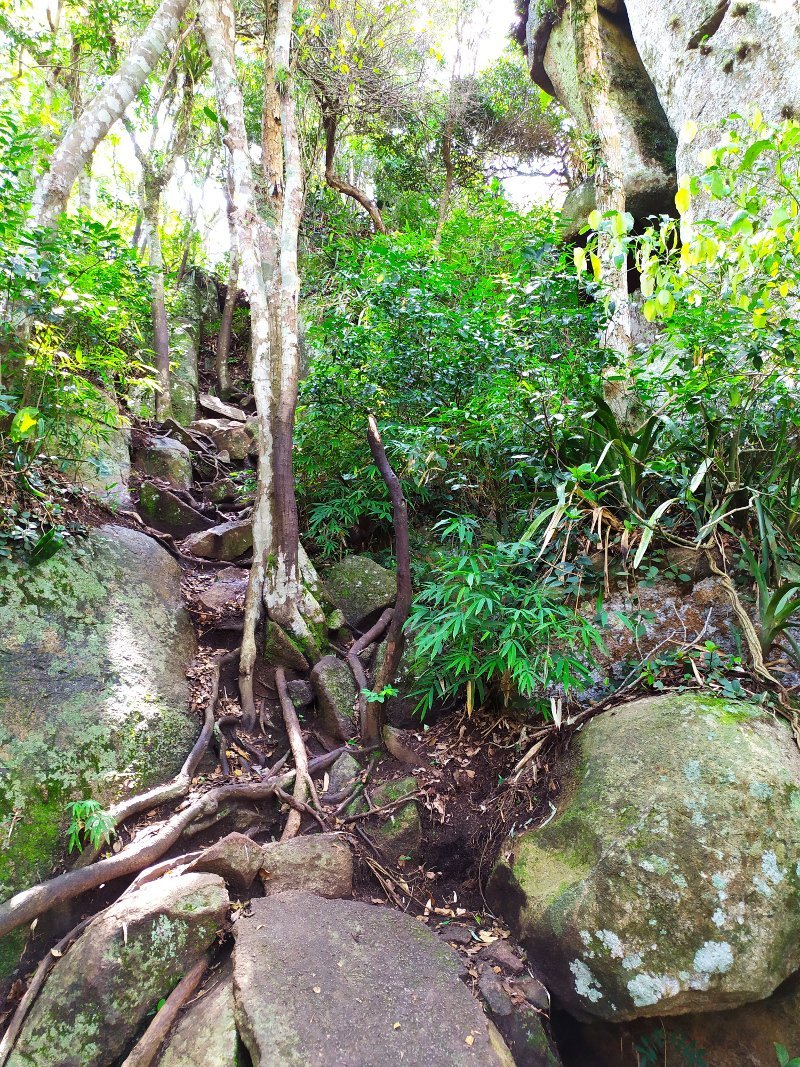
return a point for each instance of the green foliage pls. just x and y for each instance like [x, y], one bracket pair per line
[489, 618]
[88, 822]
[783, 1057]
[651, 1049]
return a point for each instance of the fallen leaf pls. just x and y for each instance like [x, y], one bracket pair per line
[317, 989]
[56, 953]
[396, 1026]
[469, 1040]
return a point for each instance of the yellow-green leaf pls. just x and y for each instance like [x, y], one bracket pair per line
[683, 200]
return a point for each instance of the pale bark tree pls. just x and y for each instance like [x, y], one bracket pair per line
[268, 265]
[609, 188]
[83, 136]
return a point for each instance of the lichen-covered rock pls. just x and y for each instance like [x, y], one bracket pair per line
[94, 646]
[167, 459]
[127, 959]
[343, 773]
[367, 986]
[399, 833]
[361, 588]
[206, 1033]
[319, 863]
[336, 693]
[669, 881]
[227, 541]
[647, 142]
[164, 510]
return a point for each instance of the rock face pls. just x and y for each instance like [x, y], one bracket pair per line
[669, 882]
[647, 141]
[206, 1034]
[361, 588]
[400, 831]
[167, 459]
[128, 958]
[184, 346]
[166, 511]
[668, 63]
[235, 438]
[94, 645]
[94, 456]
[369, 987]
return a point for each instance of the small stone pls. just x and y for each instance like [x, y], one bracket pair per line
[280, 648]
[319, 863]
[520, 1024]
[336, 621]
[219, 407]
[336, 696]
[227, 541]
[235, 858]
[500, 953]
[459, 935]
[301, 692]
[167, 459]
[534, 992]
[227, 593]
[222, 491]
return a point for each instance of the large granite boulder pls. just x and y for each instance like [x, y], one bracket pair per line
[167, 459]
[361, 588]
[367, 986]
[669, 880]
[94, 646]
[128, 958]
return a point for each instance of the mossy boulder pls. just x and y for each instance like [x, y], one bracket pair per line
[167, 459]
[94, 645]
[669, 880]
[206, 1033]
[166, 511]
[130, 957]
[361, 588]
[227, 541]
[399, 832]
[336, 694]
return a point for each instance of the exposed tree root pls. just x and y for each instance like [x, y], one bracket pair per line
[28, 905]
[303, 785]
[356, 666]
[153, 1038]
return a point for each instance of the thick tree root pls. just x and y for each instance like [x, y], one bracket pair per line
[28, 905]
[153, 1038]
[303, 785]
[355, 665]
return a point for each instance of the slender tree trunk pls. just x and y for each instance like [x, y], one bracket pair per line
[158, 303]
[609, 188]
[226, 329]
[449, 173]
[330, 124]
[78, 144]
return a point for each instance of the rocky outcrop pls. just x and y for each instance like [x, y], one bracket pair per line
[361, 588]
[166, 459]
[184, 347]
[227, 541]
[127, 959]
[336, 695]
[698, 60]
[206, 1034]
[166, 511]
[331, 982]
[94, 646]
[321, 864]
[669, 880]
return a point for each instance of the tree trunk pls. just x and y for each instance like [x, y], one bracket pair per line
[609, 189]
[449, 174]
[78, 144]
[158, 304]
[226, 328]
[330, 124]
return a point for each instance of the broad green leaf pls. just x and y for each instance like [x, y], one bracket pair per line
[25, 422]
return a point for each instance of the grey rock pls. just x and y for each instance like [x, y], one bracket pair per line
[184, 346]
[343, 773]
[206, 1032]
[235, 438]
[222, 491]
[219, 407]
[227, 592]
[94, 647]
[301, 692]
[369, 987]
[336, 694]
[227, 541]
[127, 959]
[504, 956]
[669, 881]
[398, 833]
[235, 858]
[534, 992]
[361, 588]
[318, 863]
[459, 935]
[280, 648]
[164, 510]
[519, 1023]
[166, 459]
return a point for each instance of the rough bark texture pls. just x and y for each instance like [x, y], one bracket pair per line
[76, 149]
[330, 123]
[226, 329]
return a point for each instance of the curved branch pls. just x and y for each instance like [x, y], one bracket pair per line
[330, 124]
